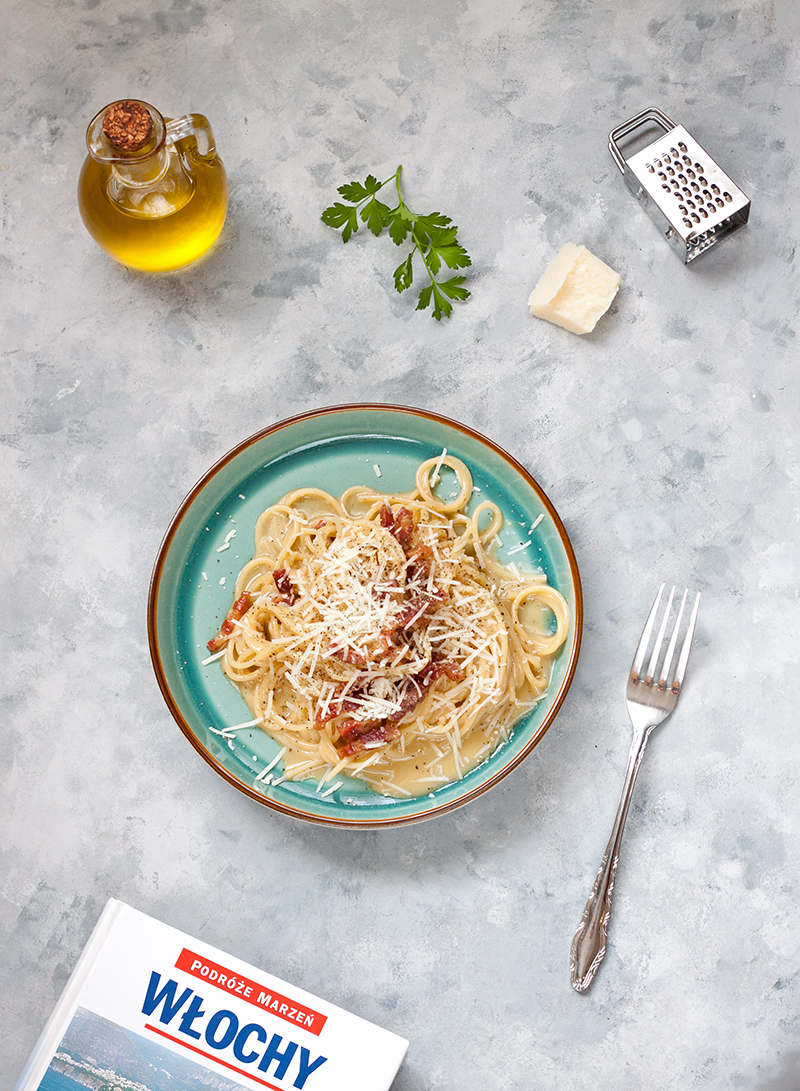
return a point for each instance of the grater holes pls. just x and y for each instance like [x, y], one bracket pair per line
[682, 178]
[687, 191]
[683, 209]
[707, 194]
[699, 167]
[673, 152]
[690, 173]
[715, 189]
[703, 181]
[727, 195]
[695, 188]
[703, 213]
[670, 172]
[681, 145]
[667, 159]
[696, 218]
[691, 204]
[666, 187]
[720, 202]
[686, 160]
[711, 206]
[687, 221]
[651, 168]
[662, 176]
[659, 163]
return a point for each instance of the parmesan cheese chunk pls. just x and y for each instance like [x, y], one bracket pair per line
[575, 290]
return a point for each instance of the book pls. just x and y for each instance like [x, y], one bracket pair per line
[149, 1008]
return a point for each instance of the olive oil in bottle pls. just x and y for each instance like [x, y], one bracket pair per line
[153, 192]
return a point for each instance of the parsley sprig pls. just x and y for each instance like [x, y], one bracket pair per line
[433, 237]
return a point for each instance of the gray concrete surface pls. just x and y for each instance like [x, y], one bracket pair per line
[667, 439]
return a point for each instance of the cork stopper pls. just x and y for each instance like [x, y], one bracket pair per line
[128, 125]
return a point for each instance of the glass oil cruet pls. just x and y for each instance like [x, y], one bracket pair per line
[153, 192]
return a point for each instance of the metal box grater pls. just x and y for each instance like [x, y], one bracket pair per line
[692, 202]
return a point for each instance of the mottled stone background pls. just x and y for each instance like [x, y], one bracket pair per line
[667, 440]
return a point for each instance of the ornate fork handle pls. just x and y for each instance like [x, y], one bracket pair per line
[589, 942]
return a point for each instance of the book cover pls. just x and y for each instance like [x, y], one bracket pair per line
[149, 1008]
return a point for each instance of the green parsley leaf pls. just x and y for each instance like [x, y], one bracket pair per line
[433, 220]
[425, 298]
[404, 274]
[355, 191]
[433, 237]
[339, 215]
[442, 292]
[441, 305]
[454, 257]
[374, 215]
[399, 225]
[452, 288]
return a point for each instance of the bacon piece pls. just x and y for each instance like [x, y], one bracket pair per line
[438, 667]
[417, 607]
[284, 585]
[390, 638]
[419, 564]
[353, 729]
[362, 735]
[349, 655]
[414, 611]
[399, 523]
[409, 701]
[236, 613]
[403, 527]
[385, 588]
[371, 740]
[329, 713]
[332, 709]
[352, 701]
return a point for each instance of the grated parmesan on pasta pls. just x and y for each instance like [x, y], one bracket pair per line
[378, 637]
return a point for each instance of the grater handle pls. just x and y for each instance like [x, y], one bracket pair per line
[627, 127]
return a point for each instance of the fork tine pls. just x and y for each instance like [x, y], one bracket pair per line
[662, 681]
[687, 646]
[659, 644]
[641, 650]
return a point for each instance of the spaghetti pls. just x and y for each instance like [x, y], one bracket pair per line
[378, 637]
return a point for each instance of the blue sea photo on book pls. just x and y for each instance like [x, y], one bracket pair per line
[97, 1054]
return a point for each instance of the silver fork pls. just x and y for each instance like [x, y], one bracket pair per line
[650, 698]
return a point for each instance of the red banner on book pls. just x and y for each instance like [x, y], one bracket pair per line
[261, 997]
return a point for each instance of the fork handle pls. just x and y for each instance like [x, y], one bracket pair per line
[589, 942]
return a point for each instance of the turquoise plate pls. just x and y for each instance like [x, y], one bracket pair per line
[197, 565]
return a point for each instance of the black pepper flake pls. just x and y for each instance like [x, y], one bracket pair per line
[128, 125]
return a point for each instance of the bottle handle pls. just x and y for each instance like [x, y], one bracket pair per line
[194, 125]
